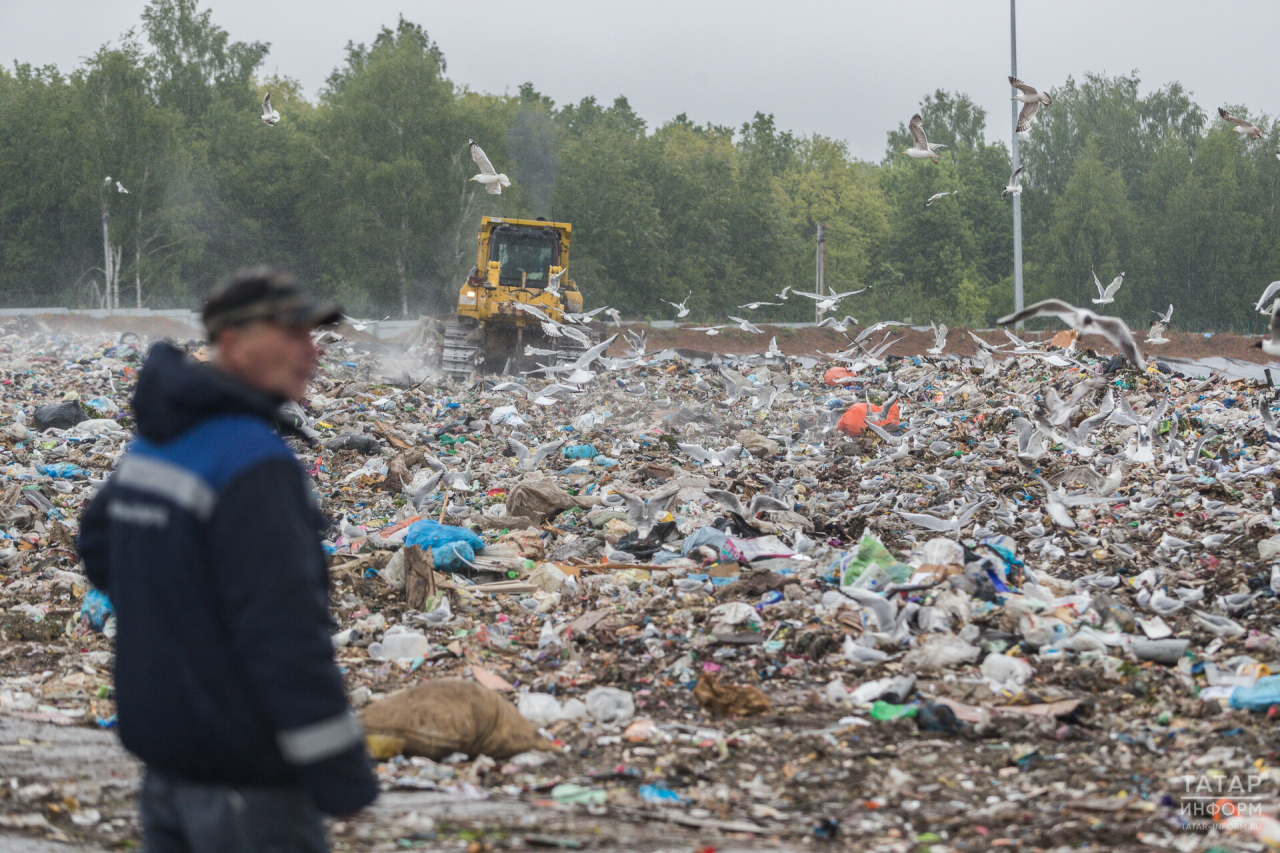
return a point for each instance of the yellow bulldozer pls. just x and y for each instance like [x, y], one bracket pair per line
[511, 309]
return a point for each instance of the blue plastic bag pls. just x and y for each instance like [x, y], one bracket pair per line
[65, 470]
[451, 547]
[579, 451]
[96, 608]
[452, 556]
[1264, 693]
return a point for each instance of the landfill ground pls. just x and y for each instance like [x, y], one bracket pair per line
[1037, 613]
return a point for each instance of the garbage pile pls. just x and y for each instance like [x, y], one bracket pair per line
[1023, 599]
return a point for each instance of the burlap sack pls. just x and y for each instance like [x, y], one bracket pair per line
[540, 498]
[439, 718]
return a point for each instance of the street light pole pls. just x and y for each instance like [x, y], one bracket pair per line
[1017, 199]
[821, 263]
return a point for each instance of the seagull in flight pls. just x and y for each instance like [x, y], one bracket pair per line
[939, 339]
[1106, 295]
[712, 457]
[1262, 307]
[1032, 101]
[642, 514]
[1271, 344]
[830, 300]
[493, 181]
[1089, 323]
[711, 331]
[1015, 185]
[1156, 334]
[529, 461]
[746, 325]
[922, 149]
[871, 330]
[120, 188]
[681, 310]
[937, 196]
[787, 289]
[751, 306]
[553, 283]
[839, 326]
[760, 503]
[1240, 126]
[1166, 316]
[269, 114]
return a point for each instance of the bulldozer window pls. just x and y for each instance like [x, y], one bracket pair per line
[531, 254]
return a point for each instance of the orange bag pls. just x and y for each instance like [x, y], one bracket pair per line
[835, 374]
[854, 421]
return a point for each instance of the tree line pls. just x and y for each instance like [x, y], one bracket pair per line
[364, 192]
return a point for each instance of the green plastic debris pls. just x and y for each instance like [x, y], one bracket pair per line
[571, 793]
[881, 710]
[870, 567]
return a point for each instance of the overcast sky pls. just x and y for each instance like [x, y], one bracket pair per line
[851, 70]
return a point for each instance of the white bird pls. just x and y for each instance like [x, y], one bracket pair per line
[553, 283]
[643, 515]
[1271, 344]
[712, 457]
[1240, 126]
[922, 149]
[1106, 295]
[269, 115]
[937, 196]
[840, 326]
[1031, 100]
[1089, 323]
[760, 503]
[1015, 185]
[785, 290]
[746, 325]
[773, 351]
[825, 302]
[939, 339]
[493, 181]
[1166, 316]
[872, 329]
[1262, 307]
[1156, 334]
[710, 330]
[751, 306]
[614, 316]
[528, 460]
[120, 188]
[682, 310]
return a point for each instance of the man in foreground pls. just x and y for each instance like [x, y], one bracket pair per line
[207, 540]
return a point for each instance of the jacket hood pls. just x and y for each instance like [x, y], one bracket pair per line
[175, 393]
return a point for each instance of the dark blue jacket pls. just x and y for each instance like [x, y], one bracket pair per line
[207, 539]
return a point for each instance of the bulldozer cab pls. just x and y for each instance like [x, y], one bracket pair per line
[524, 255]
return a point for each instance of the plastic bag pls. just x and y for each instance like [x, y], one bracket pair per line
[853, 422]
[1006, 672]
[427, 533]
[1262, 695]
[96, 608]
[610, 705]
[64, 470]
[940, 651]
